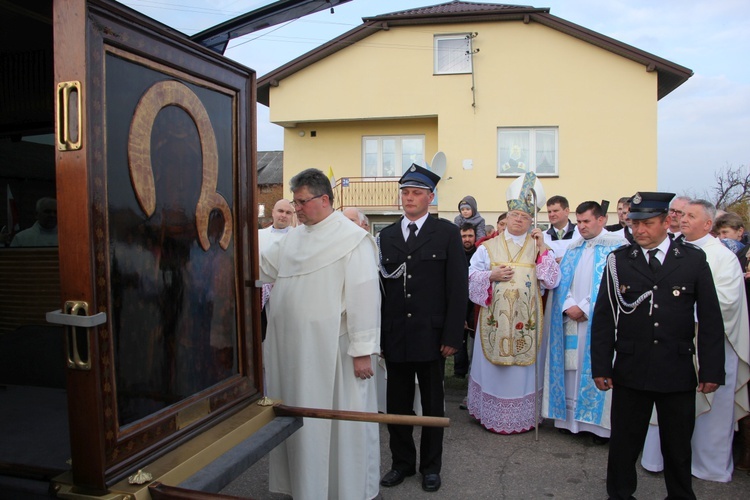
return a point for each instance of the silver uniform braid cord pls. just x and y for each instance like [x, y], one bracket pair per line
[400, 270]
[621, 303]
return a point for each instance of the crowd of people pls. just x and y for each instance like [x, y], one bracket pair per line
[635, 332]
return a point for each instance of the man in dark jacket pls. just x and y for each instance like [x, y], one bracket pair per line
[623, 205]
[558, 212]
[461, 358]
[561, 232]
[645, 312]
[425, 283]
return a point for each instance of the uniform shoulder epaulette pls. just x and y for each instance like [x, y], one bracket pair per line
[623, 248]
[691, 246]
[445, 221]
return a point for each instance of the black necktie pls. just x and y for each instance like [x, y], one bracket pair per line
[653, 262]
[412, 239]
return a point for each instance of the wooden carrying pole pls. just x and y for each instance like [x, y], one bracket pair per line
[359, 416]
[161, 491]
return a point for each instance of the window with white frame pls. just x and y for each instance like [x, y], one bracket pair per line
[531, 149]
[390, 155]
[452, 54]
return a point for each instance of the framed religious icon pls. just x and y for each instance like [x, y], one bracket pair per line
[147, 151]
[527, 149]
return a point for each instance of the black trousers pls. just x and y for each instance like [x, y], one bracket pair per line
[400, 401]
[263, 324]
[631, 413]
[461, 358]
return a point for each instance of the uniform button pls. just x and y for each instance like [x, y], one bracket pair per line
[408, 315]
[656, 324]
[656, 341]
[656, 287]
[408, 295]
[408, 257]
[656, 306]
[408, 276]
[433, 256]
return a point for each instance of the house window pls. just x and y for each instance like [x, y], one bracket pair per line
[389, 155]
[521, 150]
[452, 54]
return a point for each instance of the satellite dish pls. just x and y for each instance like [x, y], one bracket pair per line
[439, 163]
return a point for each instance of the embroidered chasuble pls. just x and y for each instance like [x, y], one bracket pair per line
[508, 325]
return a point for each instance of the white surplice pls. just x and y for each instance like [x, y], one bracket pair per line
[718, 412]
[579, 294]
[324, 310]
[266, 237]
[269, 235]
[560, 246]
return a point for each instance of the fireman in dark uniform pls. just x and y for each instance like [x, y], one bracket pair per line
[425, 291]
[645, 313]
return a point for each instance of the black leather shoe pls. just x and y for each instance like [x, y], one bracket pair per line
[394, 477]
[600, 440]
[431, 482]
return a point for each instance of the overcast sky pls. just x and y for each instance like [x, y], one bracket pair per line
[704, 125]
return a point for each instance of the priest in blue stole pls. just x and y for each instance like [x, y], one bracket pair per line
[570, 395]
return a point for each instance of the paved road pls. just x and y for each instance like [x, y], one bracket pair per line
[478, 464]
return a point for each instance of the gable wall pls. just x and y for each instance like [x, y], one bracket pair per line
[525, 75]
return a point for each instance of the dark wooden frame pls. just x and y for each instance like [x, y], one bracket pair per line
[102, 451]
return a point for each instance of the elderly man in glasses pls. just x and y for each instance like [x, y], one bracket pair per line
[676, 211]
[323, 328]
[504, 279]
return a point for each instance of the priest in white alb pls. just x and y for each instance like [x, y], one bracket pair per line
[570, 396]
[283, 218]
[718, 412]
[323, 328]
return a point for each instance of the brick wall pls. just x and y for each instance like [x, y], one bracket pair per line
[268, 195]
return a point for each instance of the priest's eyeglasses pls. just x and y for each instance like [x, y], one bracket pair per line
[302, 203]
[517, 215]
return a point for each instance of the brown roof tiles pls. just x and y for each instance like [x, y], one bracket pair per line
[670, 75]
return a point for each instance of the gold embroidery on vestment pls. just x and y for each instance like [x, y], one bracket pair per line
[508, 326]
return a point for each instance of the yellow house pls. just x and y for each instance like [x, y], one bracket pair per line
[499, 89]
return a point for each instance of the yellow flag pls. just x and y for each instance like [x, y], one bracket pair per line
[331, 177]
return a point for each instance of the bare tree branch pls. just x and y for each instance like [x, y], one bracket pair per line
[732, 187]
